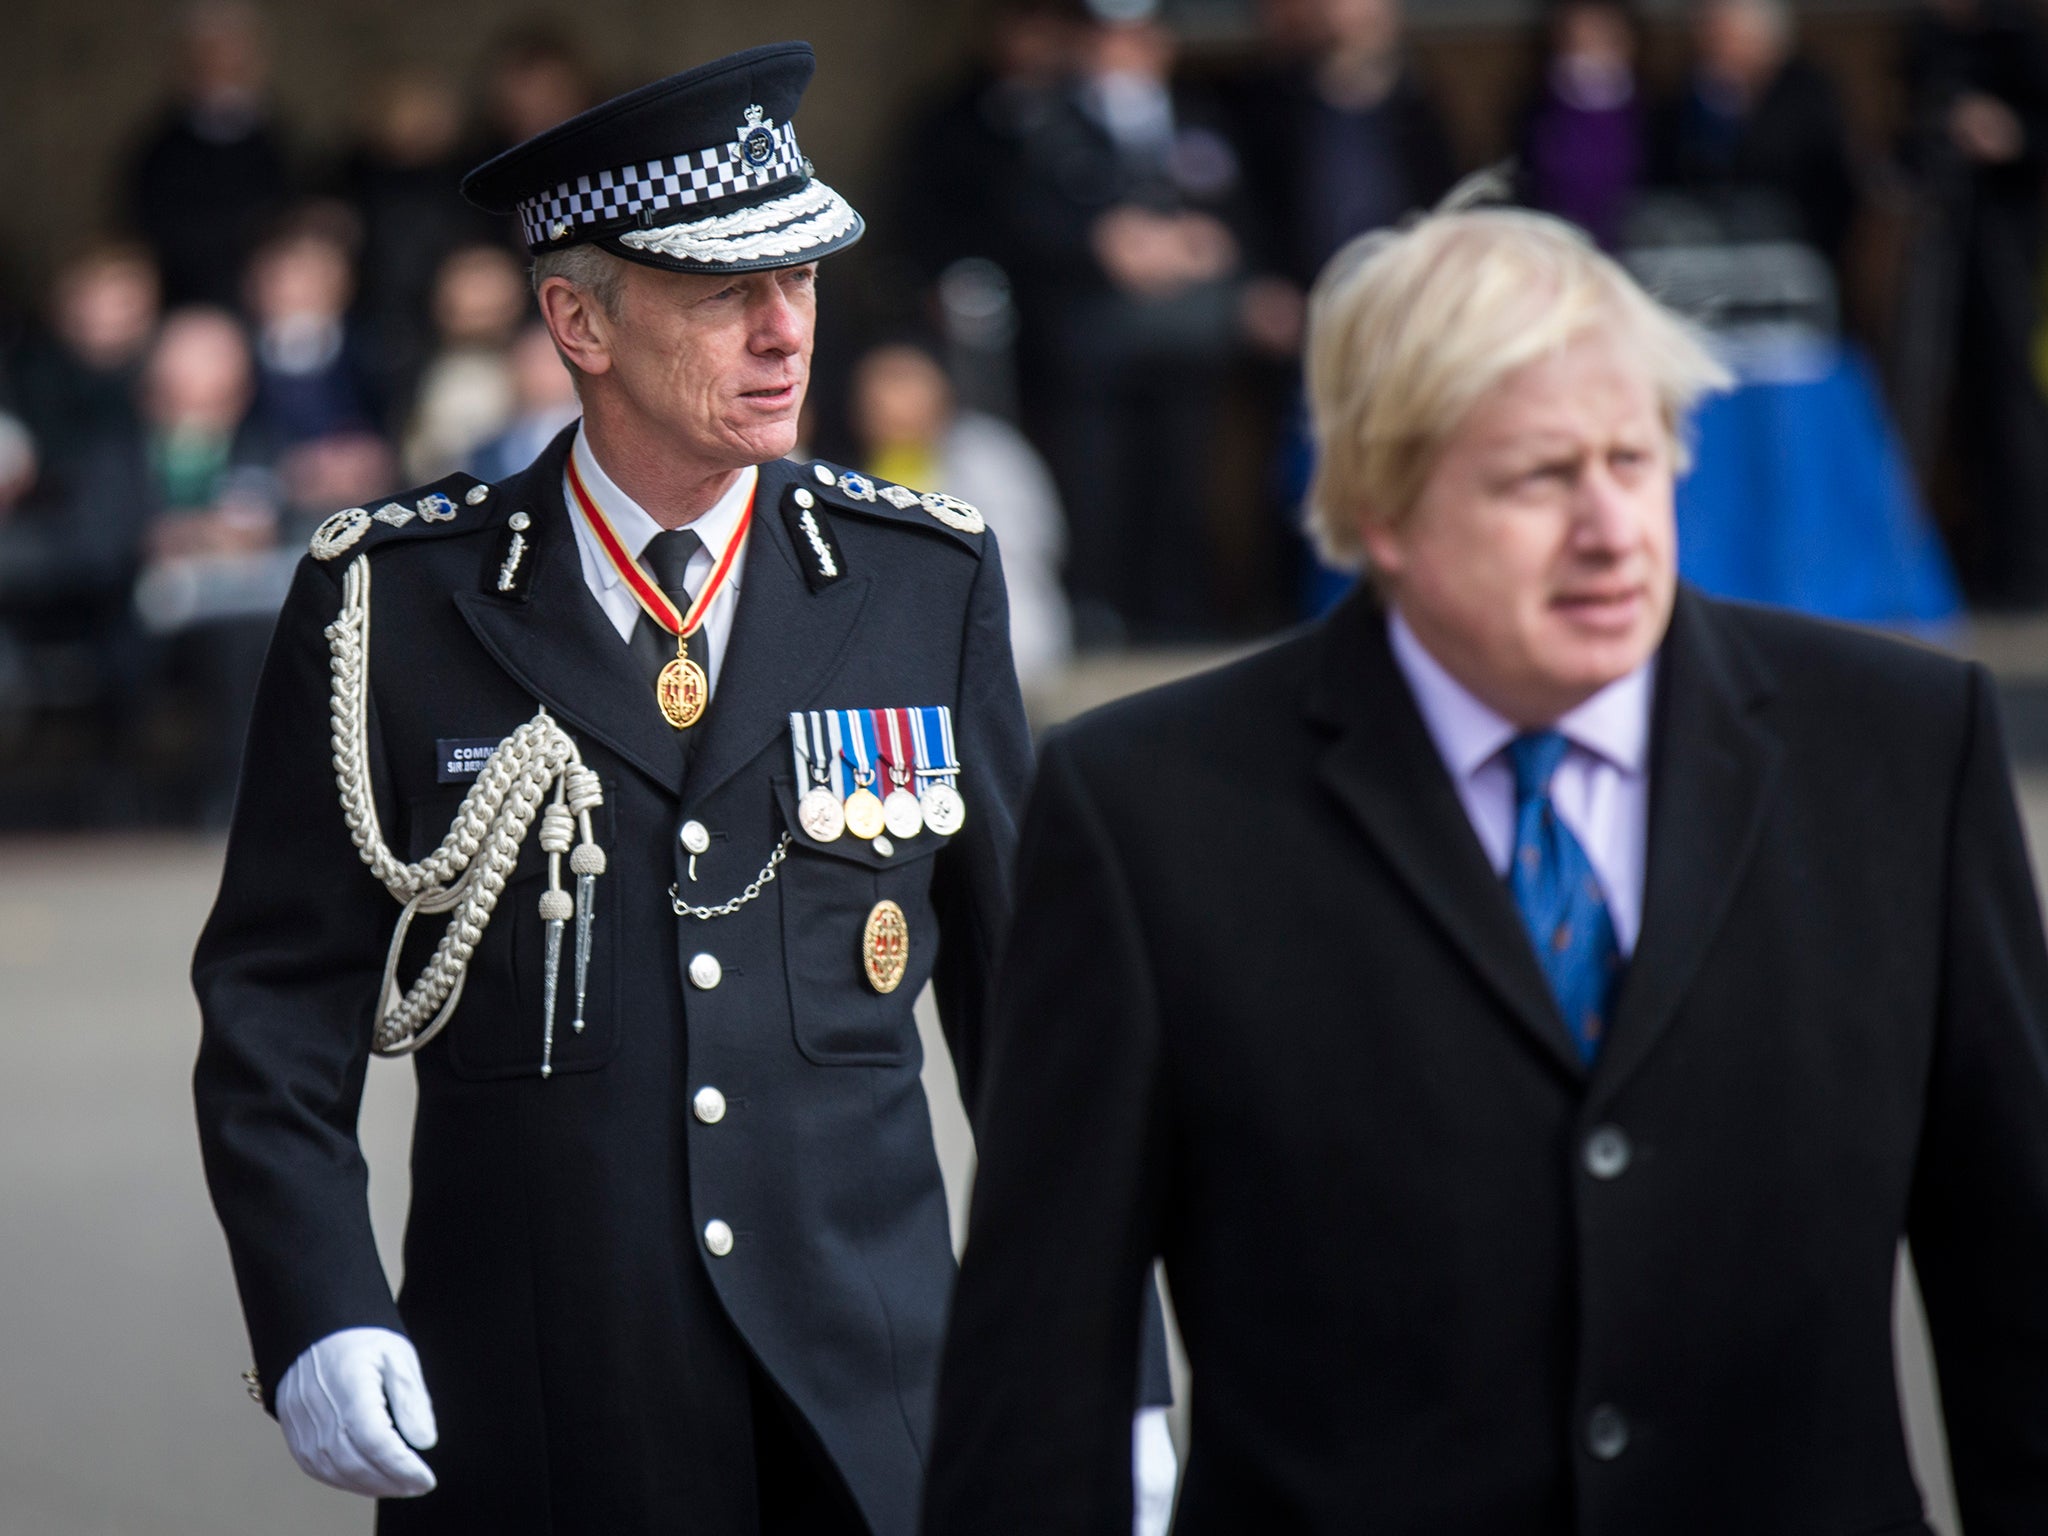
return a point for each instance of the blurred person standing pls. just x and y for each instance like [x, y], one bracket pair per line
[399, 178]
[678, 1254]
[543, 402]
[1625, 975]
[1976, 77]
[186, 506]
[1756, 135]
[1346, 140]
[466, 394]
[75, 385]
[1584, 142]
[212, 173]
[1122, 234]
[912, 430]
[314, 403]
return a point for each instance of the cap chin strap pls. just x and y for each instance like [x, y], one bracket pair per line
[786, 226]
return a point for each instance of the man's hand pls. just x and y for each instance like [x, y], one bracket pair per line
[343, 1406]
[1154, 1471]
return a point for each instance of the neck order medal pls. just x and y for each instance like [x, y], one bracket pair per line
[682, 691]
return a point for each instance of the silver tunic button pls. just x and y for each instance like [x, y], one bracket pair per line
[705, 972]
[718, 1238]
[825, 476]
[695, 838]
[1606, 1432]
[709, 1105]
[803, 498]
[883, 846]
[1608, 1152]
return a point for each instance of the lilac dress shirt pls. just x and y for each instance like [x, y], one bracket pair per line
[1602, 789]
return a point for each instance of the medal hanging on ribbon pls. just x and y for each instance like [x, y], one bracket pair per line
[900, 811]
[851, 730]
[945, 812]
[682, 690]
[820, 811]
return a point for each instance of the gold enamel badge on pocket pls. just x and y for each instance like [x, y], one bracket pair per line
[885, 947]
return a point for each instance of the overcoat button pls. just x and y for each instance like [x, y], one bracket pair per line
[695, 838]
[705, 972]
[718, 1238]
[1606, 1432]
[709, 1105]
[1608, 1152]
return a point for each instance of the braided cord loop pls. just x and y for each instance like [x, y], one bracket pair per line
[467, 873]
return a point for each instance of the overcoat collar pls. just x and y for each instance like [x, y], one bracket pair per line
[1712, 765]
[560, 646]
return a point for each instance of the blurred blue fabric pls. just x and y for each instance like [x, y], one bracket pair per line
[1801, 495]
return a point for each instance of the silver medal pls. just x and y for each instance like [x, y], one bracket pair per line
[821, 815]
[901, 814]
[945, 812]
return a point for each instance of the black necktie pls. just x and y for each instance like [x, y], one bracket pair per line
[667, 557]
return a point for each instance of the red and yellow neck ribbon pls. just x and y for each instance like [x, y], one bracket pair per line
[653, 601]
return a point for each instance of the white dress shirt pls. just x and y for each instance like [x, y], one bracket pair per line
[635, 528]
[1601, 790]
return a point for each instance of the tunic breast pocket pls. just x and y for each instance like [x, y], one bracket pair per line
[842, 944]
[498, 1027]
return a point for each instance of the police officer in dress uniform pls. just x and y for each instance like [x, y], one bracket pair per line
[640, 794]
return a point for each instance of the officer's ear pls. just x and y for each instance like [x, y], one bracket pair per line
[578, 321]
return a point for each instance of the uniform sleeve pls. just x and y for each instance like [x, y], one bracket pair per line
[1037, 1389]
[1979, 1219]
[287, 971]
[971, 882]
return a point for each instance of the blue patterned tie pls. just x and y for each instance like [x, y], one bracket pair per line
[1559, 897]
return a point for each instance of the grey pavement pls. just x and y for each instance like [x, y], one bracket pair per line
[121, 1411]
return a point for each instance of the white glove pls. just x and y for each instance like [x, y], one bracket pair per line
[1154, 1471]
[345, 1402]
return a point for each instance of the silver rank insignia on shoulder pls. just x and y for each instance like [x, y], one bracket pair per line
[339, 533]
[901, 497]
[437, 508]
[394, 515]
[811, 536]
[856, 487]
[954, 513]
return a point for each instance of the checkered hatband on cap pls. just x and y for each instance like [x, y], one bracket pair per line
[759, 156]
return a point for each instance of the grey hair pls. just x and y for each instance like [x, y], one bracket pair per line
[592, 268]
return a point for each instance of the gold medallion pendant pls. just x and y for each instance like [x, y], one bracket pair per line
[885, 947]
[864, 814]
[682, 690]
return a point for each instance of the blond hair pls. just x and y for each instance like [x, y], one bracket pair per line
[1408, 327]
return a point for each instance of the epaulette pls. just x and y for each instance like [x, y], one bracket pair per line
[457, 504]
[855, 492]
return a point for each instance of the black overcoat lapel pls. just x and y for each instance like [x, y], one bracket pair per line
[559, 644]
[786, 643]
[1384, 769]
[1713, 764]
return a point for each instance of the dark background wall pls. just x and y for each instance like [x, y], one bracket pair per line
[78, 78]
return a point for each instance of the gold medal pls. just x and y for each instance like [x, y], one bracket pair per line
[864, 814]
[885, 944]
[682, 690]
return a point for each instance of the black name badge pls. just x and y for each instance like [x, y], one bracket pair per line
[462, 759]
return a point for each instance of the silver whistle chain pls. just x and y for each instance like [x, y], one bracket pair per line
[761, 882]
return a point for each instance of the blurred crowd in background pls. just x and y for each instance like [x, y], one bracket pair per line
[1080, 307]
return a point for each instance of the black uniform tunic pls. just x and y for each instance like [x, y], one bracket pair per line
[588, 1356]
